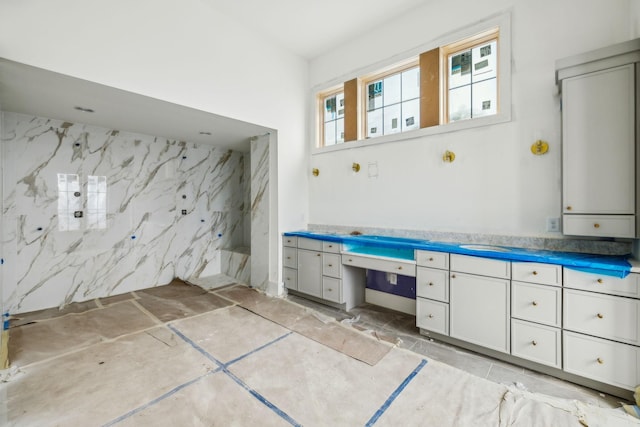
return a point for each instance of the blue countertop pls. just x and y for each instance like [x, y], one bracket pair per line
[609, 265]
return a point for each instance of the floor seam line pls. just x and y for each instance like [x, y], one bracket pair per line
[223, 368]
[395, 394]
[147, 312]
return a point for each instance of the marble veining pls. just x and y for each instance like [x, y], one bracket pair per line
[147, 240]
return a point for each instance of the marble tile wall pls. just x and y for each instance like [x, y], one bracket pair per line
[131, 237]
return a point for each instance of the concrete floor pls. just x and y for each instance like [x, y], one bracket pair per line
[180, 355]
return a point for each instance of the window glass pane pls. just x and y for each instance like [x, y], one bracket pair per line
[459, 69]
[340, 105]
[330, 133]
[339, 130]
[392, 90]
[374, 123]
[374, 95]
[411, 115]
[484, 61]
[460, 103]
[484, 98]
[411, 84]
[330, 108]
[392, 119]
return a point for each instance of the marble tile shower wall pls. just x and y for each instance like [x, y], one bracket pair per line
[131, 236]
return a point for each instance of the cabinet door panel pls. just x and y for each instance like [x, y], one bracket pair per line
[310, 272]
[480, 310]
[598, 140]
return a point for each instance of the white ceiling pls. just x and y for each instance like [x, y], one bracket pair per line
[304, 27]
[309, 28]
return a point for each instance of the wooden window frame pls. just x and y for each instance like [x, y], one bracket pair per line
[466, 44]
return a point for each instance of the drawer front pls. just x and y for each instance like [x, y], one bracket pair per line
[627, 287]
[538, 343]
[290, 277]
[432, 284]
[310, 244]
[599, 225]
[604, 316]
[331, 265]
[389, 266]
[432, 315]
[433, 259]
[533, 272]
[481, 266]
[331, 247]
[290, 241]
[332, 289]
[605, 361]
[536, 303]
[290, 257]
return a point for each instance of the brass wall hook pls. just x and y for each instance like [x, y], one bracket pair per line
[448, 156]
[315, 171]
[540, 147]
[355, 167]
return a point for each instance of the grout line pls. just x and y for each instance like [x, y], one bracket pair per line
[147, 312]
[395, 394]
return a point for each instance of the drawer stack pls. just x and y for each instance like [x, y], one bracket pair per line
[601, 317]
[536, 312]
[432, 291]
[290, 262]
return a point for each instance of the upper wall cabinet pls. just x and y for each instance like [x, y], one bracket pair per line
[599, 141]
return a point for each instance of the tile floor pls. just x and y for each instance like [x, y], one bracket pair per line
[181, 355]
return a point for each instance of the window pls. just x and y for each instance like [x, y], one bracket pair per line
[393, 102]
[333, 118]
[472, 77]
[445, 88]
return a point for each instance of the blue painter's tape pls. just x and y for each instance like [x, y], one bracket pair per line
[238, 381]
[395, 394]
[1, 261]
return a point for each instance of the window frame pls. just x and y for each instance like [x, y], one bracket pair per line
[467, 43]
[501, 20]
[364, 81]
[320, 120]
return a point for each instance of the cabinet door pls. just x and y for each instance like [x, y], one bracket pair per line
[479, 310]
[310, 272]
[598, 140]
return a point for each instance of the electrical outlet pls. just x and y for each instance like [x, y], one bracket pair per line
[553, 224]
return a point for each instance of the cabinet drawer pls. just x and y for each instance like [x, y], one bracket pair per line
[536, 303]
[605, 361]
[604, 316]
[331, 265]
[311, 244]
[331, 247]
[332, 289]
[373, 263]
[627, 287]
[599, 225]
[432, 315]
[290, 277]
[538, 343]
[432, 284]
[481, 266]
[290, 257]
[533, 272]
[290, 241]
[433, 259]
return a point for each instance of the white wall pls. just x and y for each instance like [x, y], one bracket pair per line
[183, 52]
[495, 184]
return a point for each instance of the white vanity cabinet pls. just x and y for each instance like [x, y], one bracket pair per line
[479, 301]
[314, 268]
[599, 158]
[432, 291]
[536, 312]
[601, 325]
